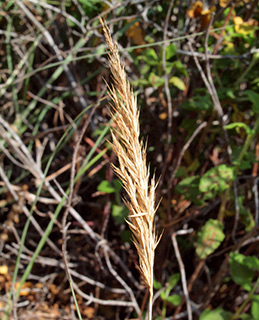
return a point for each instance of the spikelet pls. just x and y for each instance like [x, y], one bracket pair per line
[132, 169]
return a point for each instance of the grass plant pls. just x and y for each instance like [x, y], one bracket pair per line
[63, 238]
[132, 170]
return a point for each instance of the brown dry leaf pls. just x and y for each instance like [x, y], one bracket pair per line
[39, 285]
[4, 270]
[223, 3]
[88, 312]
[44, 312]
[136, 33]
[195, 9]
[181, 205]
[25, 289]
[2, 282]
[53, 289]
[205, 17]
[163, 115]
[3, 203]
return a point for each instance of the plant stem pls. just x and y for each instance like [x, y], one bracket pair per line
[248, 69]
[248, 141]
[247, 300]
[150, 303]
[222, 209]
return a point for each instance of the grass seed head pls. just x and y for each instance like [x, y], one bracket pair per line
[132, 169]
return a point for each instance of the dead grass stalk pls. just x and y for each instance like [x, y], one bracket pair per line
[132, 170]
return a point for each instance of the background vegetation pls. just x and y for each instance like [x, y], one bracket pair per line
[66, 250]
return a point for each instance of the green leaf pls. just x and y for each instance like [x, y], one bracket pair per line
[105, 187]
[245, 316]
[150, 57]
[239, 125]
[140, 83]
[200, 102]
[216, 180]
[254, 98]
[216, 314]
[178, 83]
[230, 93]
[163, 295]
[189, 187]
[157, 285]
[241, 271]
[144, 69]
[170, 51]
[169, 67]
[151, 54]
[209, 238]
[126, 235]
[155, 80]
[173, 280]
[255, 307]
[247, 161]
[119, 213]
[252, 262]
[180, 67]
[175, 299]
[117, 185]
[246, 217]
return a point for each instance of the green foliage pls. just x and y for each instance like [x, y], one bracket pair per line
[255, 307]
[216, 180]
[177, 82]
[119, 213]
[155, 80]
[246, 217]
[174, 299]
[166, 295]
[152, 68]
[157, 285]
[190, 188]
[243, 269]
[106, 187]
[170, 51]
[254, 98]
[238, 125]
[200, 101]
[216, 314]
[209, 238]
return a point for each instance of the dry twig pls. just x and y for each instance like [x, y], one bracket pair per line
[182, 270]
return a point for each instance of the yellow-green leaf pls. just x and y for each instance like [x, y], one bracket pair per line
[178, 83]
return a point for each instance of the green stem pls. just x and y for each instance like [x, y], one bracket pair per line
[248, 69]
[247, 300]
[224, 200]
[248, 142]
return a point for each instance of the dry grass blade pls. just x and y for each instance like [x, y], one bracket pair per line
[132, 169]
